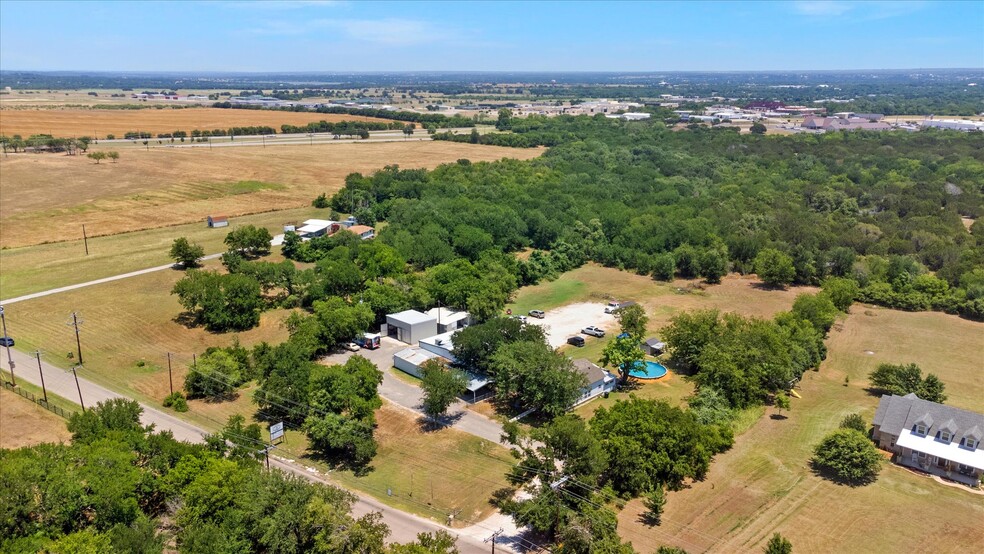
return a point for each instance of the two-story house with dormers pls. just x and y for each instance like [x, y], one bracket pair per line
[932, 437]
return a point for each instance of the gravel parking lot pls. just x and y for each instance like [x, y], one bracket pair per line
[568, 321]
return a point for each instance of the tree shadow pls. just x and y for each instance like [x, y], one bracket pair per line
[829, 475]
[875, 391]
[339, 461]
[186, 319]
[778, 416]
[759, 285]
[649, 520]
[429, 425]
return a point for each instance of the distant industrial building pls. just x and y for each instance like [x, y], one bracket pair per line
[954, 124]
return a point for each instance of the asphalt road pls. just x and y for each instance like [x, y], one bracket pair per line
[403, 526]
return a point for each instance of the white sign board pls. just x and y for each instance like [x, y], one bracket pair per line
[276, 431]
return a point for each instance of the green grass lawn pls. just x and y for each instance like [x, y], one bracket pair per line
[47, 266]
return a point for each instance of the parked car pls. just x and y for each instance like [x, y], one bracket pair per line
[593, 331]
[537, 314]
[576, 341]
[521, 318]
[6, 341]
[351, 347]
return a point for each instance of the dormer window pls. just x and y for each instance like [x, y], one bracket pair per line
[970, 443]
[945, 436]
[920, 429]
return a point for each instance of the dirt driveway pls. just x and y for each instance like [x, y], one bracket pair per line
[568, 321]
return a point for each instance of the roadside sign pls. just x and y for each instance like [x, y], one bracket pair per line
[276, 431]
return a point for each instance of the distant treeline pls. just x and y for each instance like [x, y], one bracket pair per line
[428, 120]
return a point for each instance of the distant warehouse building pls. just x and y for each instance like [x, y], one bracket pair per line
[955, 124]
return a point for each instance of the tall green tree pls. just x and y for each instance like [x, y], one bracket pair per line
[442, 386]
[775, 268]
[185, 253]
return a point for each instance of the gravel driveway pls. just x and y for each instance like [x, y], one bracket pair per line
[567, 321]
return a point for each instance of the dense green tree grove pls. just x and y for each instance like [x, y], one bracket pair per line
[121, 488]
[880, 209]
[903, 379]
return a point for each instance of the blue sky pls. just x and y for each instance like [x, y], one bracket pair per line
[489, 36]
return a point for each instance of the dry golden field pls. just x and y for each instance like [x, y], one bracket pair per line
[47, 198]
[99, 123]
[24, 423]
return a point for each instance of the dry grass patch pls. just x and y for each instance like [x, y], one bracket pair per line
[170, 186]
[125, 323]
[24, 423]
[764, 485]
[46, 266]
[99, 123]
[431, 473]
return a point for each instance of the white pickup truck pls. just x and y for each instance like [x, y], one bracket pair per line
[616, 305]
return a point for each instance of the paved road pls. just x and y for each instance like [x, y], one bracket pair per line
[403, 526]
[410, 397]
[96, 282]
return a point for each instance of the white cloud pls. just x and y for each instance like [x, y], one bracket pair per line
[822, 8]
[387, 31]
[275, 5]
[866, 10]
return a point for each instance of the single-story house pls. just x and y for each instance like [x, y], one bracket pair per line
[938, 439]
[364, 232]
[410, 326]
[218, 221]
[442, 345]
[410, 360]
[599, 380]
[653, 346]
[316, 228]
[449, 320]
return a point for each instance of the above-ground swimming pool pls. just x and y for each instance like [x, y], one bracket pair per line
[648, 370]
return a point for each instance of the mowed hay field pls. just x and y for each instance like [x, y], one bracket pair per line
[764, 485]
[164, 186]
[99, 123]
[24, 423]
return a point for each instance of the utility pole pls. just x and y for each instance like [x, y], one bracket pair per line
[41, 372]
[77, 387]
[493, 538]
[85, 240]
[75, 323]
[170, 380]
[6, 343]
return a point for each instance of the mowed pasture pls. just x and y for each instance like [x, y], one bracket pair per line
[129, 327]
[161, 187]
[764, 484]
[24, 423]
[99, 123]
[46, 266]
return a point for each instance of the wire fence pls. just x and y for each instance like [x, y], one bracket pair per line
[39, 401]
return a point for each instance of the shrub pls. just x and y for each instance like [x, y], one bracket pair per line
[854, 421]
[177, 401]
[847, 456]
